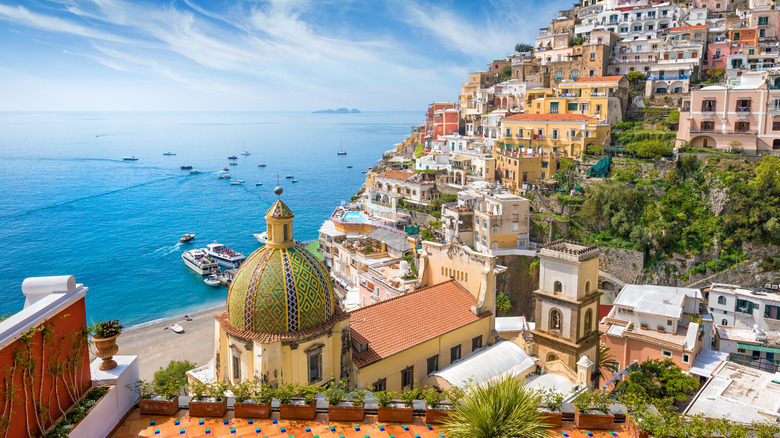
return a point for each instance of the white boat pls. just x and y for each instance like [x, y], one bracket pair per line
[186, 238]
[224, 256]
[236, 183]
[199, 261]
[194, 172]
[261, 165]
[341, 151]
[225, 169]
[130, 158]
[295, 180]
[177, 328]
[363, 171]
[212, 281]
[168, 153]
[261, 237]
[224, 176]
[246, 153]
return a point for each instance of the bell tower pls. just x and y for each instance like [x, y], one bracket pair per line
[279, 220]
[567, 303]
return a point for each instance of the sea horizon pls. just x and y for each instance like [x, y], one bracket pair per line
[72, 206]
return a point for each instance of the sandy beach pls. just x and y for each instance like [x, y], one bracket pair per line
[156, 347]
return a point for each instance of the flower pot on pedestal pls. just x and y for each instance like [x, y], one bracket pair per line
[159, 407]
[106, 348]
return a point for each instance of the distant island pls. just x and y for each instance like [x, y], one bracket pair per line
[338, 111]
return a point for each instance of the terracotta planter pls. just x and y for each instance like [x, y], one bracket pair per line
[251, 410]
[552, 418]
[159, 407]
[661, 331]
[394, 415]
[298, 412]
[346, 413]
[208, 408]
[593, 421]
[436, 415]
[106, 348]
[634, 430]
[645, 328]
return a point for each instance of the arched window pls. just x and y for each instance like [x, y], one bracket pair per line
[551, 357]
[555, 319]
[284, 227]
[724, 322]
[587, 286]
[721, 300]
[558, 287]
[495, 228]
[588, 320]
[484, 224]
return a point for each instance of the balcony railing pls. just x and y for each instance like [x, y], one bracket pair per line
[708, 108]
[702, 131]
[668, 78]
[774, 108]
[742, 109]
[740, 132]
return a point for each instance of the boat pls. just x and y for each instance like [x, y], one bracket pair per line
[246, 153]
[130, 158]
[168, 153]
[237, 182]
[289, 177]
[187, 318]
[186, 238]
[349, 167]
[363, 171]
[212, 281]
[341, 151]
[233, 157]
[224, 176]
[295, 180]
[177, 328]
[241, 181]
[258, 184]
[224, 256]
[261, 237]
[225, 169]
[199, 261]
[261, 165]
[186, 167]
[233, 163]
[194, 172]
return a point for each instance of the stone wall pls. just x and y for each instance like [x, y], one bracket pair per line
[418, 218]
[518, 282]
[625, 264]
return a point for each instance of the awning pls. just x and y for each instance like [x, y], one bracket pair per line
[758, 348]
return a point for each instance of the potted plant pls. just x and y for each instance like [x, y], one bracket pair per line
[157, 399]
[591, 411]
[391, 410]
[643, 325]
[343, 406]
[436, 408]
[208, 400]
[551, 404]
[252, 400]
[104, 334]
[304, 408]
[660, 328]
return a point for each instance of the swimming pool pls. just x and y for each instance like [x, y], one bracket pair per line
[355, 216]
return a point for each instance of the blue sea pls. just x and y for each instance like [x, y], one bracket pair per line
[70, 205]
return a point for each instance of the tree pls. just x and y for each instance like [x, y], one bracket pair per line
[503, 302]
[505, 74]
[175, 371]
[651, 148]
[674, 116]
[499, 408]
[736, 145]
[635, 77]
[657, 380]
[522, 47]
[606, 362]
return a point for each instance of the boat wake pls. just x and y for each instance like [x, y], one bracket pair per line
[168, 249]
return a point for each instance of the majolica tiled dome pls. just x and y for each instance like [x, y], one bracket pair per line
[280, 289]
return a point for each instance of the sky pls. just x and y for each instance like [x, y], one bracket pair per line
[137, 55]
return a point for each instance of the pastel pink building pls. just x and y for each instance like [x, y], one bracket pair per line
[743, 114]
[717, 54]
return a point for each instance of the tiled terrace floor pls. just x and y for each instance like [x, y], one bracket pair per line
[137, 425]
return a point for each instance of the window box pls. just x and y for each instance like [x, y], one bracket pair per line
[159, 407]
[346, 412]
[208, 407]
[297, 411]
[396, 413]
[248, 409]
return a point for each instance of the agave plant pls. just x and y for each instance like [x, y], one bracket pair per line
[501, 408]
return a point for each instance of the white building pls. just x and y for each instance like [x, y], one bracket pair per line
[635, 55]
[433, 161]
[732, 306]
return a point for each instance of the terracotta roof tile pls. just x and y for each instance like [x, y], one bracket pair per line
[550, 117]
[399, 175]
[265, 338]
[600, 78]
[397, 324]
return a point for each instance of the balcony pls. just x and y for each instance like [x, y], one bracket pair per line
[708, 108]
[742, 109]
[740, 132]
[703, 131]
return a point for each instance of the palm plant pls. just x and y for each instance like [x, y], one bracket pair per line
[606, 362]
[501, 408]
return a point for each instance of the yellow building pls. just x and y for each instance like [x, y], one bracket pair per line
[400, 341]
[568, 134]
[516, 167]
[282, 322]
[603, 98]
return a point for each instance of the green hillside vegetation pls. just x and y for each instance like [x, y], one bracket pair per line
[701, 205]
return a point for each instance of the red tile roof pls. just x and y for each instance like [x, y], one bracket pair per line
[549, 117]
[399, 175]
[703, 26]
[600, 78]
[400, 323]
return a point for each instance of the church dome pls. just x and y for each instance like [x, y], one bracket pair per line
[281, 287]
